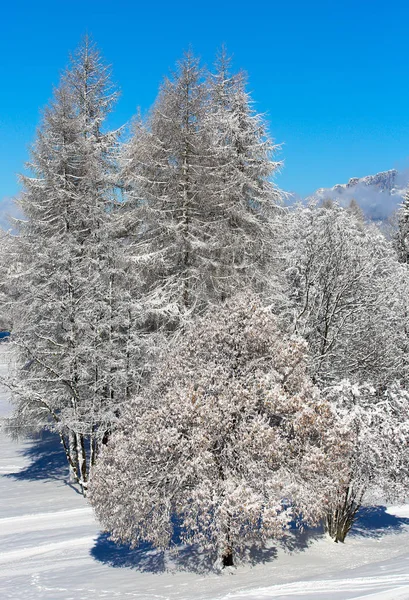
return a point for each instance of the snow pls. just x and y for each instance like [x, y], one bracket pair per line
[51, 548]
[399, 511]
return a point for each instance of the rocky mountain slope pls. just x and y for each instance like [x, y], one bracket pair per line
[378, 195]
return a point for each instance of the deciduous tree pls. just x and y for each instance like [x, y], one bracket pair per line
[215, 443]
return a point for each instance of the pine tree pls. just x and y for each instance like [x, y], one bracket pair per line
[70, 320]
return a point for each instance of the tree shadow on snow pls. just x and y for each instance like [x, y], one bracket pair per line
[192, 558]
[146, 558]
[47, 460]
[298, 538]
[371, 522]
[374, 521]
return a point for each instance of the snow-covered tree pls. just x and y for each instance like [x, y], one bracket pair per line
[71, 323]
[356, 210]
[198, 174]
[350, 303]
[241, 173]
[349, 296]
[401, 238]
[8, 269]
[164, 177]
[368, 455]
[214, 445]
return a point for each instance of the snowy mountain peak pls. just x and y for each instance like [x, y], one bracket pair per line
[384, 181]
[378, 195]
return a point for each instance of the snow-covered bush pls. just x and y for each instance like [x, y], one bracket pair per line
[216, 441]
[367, 453]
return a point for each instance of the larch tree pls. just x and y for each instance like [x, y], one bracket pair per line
[242, 167]
[70, 322]
[165, 181]
[198, 172]
[213, 447]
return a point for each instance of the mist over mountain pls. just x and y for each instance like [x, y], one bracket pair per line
[378, 195]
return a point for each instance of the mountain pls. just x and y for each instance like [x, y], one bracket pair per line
[377, 195]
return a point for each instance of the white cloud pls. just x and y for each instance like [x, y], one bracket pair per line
[8, 210]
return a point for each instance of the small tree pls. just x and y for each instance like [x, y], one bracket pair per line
[216, 440]
[368, 456]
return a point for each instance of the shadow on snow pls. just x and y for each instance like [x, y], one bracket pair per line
[374, 521]
[371, 521]
[146, 558]
[47, 460]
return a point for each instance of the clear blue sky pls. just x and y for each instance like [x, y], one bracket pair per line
[333, 77]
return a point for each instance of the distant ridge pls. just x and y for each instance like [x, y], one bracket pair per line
[378, 195]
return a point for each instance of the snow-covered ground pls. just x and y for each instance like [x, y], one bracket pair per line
[51, 549]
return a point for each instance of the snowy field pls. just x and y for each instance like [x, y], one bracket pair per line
[51, 548]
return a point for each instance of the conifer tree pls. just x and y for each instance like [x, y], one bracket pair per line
[70, 321]
[198, 172]
[241, 183]
[165, 180]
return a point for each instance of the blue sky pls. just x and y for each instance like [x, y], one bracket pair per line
[333, 77]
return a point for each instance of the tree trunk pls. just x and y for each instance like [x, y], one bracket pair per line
[227, 558]
[73, 462]
[82, 463]
[341, 517]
